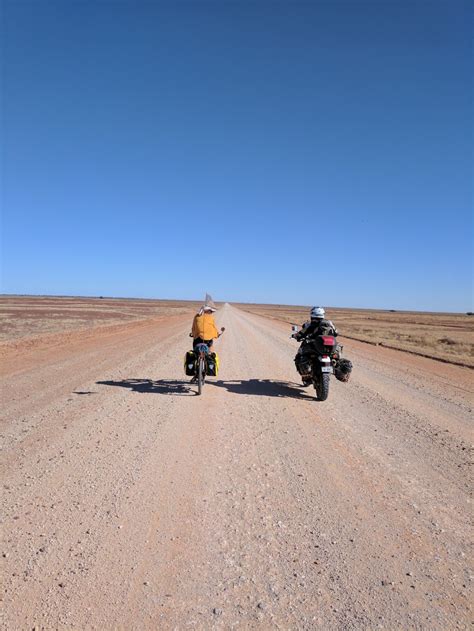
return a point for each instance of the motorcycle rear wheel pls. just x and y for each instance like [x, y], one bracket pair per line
[321, 385]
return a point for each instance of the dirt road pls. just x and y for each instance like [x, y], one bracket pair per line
[131, 503]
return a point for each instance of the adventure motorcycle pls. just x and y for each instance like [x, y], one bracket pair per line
[317, 359]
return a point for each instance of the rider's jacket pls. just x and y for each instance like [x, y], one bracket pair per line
[316, 327]
[204, 327]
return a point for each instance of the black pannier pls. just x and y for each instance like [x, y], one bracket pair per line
[343, 370]
[303, 365]
[190, 363]
[212, 365]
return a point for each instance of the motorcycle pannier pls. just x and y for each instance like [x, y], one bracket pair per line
[303, 365]
[212, 365]
[190, 363]
[343, 370]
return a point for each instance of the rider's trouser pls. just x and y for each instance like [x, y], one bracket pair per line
[199, 340]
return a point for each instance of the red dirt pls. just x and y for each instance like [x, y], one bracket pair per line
[130, 503]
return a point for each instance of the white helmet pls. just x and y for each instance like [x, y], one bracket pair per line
[316, 313]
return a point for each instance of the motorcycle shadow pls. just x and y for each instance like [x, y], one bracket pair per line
[160, 386]
[264, 387]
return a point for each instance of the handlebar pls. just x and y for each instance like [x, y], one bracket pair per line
[219, 334]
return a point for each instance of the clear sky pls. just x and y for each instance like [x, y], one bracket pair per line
[292, 152]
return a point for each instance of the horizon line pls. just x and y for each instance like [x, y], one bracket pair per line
[272, 304]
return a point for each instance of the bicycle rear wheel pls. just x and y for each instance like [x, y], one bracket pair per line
[200, 375]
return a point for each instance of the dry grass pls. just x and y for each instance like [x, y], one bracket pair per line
[445, 336]
[442, 335]
[32, 316]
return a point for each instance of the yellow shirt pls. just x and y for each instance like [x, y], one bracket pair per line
[204, 327]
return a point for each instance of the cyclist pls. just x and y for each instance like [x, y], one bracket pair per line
[204, 329]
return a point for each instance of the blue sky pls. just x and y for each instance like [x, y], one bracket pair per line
[290, 152]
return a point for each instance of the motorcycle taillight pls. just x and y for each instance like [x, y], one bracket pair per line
[328, 340]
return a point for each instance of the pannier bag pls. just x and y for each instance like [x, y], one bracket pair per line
[343, 369]
[303, 365]
[190, 363]
[212, 365]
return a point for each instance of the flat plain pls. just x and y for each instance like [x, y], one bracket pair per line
[446, 336]
[131, 503]
[33, 316]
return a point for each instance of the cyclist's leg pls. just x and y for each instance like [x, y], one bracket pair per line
[197, 340]
[208, 343]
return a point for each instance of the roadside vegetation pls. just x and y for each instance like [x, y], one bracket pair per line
[33, 316]
[445, 336]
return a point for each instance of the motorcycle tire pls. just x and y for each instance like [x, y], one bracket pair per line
[322, 386]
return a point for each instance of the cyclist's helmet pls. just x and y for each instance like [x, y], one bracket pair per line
[317, 313]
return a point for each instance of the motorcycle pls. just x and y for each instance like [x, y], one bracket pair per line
[318, 359]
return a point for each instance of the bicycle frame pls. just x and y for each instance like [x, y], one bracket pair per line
[201, 351]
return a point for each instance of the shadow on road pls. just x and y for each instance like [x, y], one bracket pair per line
[161, 386]
[264, 387]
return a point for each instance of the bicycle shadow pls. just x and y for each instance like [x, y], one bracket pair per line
[264, 387]
[160, 386]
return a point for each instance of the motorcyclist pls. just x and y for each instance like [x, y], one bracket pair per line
[317, 325]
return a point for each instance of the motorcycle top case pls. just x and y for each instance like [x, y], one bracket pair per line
[212, 365]
[190, 363]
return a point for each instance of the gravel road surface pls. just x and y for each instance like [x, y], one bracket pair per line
[131, 503]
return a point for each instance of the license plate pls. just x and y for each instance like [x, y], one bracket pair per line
[326, 368]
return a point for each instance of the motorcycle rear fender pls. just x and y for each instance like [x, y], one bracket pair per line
[323, 365]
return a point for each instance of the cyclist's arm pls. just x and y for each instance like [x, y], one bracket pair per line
[193, 330]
